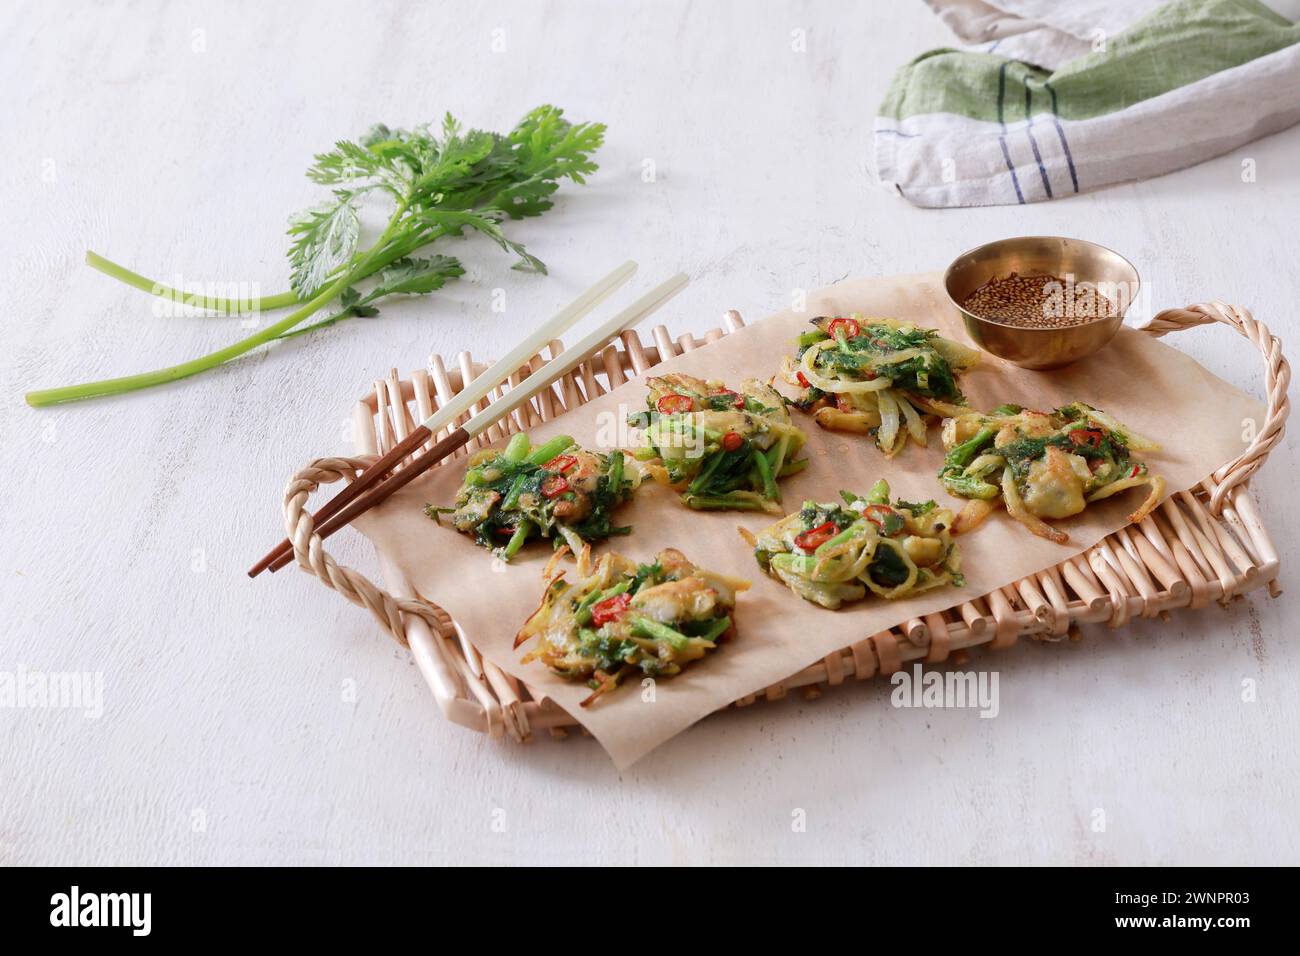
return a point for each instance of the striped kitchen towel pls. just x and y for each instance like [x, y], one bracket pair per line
[1058, 99]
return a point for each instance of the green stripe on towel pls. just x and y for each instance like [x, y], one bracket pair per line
[1177, 44]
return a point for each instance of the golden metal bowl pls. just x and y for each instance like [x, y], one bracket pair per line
[1042, 348]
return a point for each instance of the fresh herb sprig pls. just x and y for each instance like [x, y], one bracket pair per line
[439, 183]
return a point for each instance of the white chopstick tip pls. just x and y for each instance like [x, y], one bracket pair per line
[651, 302]
[473, 391]
[581, 350]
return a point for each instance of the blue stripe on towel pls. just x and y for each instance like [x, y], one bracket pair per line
[1002, 137]
[1060, 131]
[1029, 131]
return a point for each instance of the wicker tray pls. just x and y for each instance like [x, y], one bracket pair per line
[1200, 546]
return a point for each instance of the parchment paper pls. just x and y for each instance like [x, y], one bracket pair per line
[1150, 386]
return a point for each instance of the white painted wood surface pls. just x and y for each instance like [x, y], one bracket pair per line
[172, 137]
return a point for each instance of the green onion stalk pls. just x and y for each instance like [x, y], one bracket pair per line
[174, 373]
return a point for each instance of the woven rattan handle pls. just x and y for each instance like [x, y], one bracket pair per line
[313, 558]
[1277, 379]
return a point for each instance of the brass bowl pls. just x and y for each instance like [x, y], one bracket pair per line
[1110, 272]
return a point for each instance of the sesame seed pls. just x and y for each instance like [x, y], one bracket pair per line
[1040, 302]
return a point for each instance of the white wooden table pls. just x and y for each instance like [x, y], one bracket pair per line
[266, 721]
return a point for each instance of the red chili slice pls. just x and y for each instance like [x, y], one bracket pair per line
[1087, 436]
[850, 327]
[554, 486]
[736, 398]
[802, 380]
[1134, 472]
[878, 514]
[610, 609]
[560, 463]
[674, 404]
[814, 538]
[732, 440]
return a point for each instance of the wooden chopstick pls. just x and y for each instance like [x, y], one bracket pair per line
[542, 379]
[472, 393]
